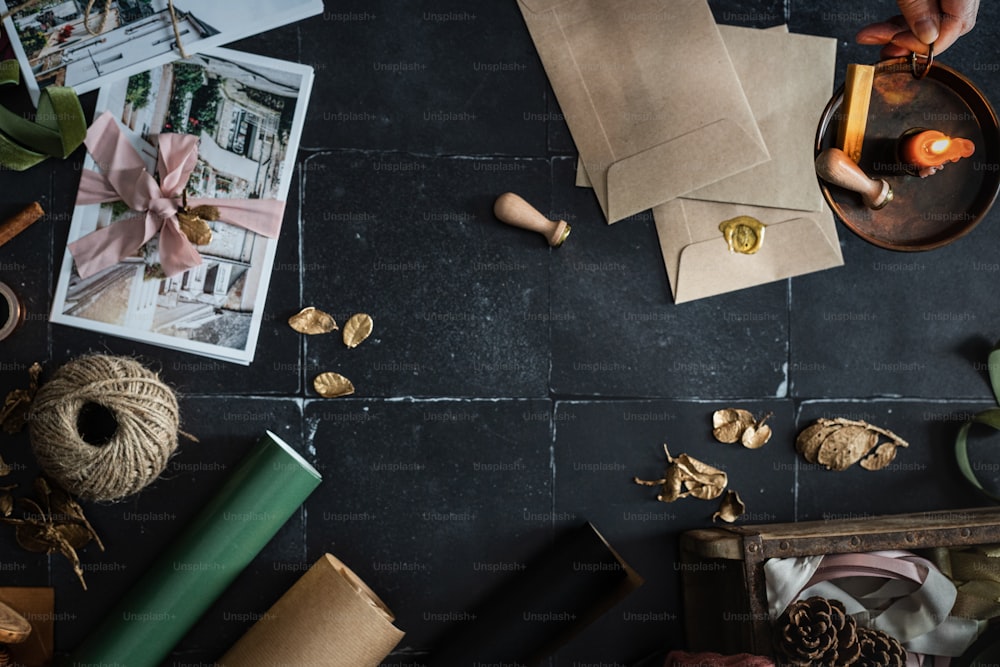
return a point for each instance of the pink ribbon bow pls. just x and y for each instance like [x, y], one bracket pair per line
[124, 177]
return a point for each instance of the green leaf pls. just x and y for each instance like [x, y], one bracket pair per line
[994, 366]
[990, 418]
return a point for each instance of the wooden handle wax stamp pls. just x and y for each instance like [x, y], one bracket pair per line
[513, 210]
[834, 167]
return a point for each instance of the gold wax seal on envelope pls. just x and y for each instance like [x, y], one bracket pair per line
[743, 234]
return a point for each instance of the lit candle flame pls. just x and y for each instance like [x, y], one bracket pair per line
[940, 146]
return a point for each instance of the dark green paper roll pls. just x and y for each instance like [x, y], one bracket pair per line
[256, 500]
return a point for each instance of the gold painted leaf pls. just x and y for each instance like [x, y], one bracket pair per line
[312, 321]
[332, 385]
[756, 436]
[738, 425]
[840, 443]
[731, 508]
[77, 530]
[811, 439]
[729, 424]
[194, 227]
[880, 458]
[357, 329]
[687, 476]
[845, 447]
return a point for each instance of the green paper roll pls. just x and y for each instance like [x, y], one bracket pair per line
[256, 500]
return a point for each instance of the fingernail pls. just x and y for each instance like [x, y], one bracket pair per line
[926, 30]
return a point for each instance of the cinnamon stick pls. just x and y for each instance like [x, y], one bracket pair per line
[20, 221]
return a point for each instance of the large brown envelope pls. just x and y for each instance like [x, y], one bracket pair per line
[698, 260]
[650, 96]
[788, 80]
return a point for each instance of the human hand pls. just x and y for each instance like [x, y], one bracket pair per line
[923, 22]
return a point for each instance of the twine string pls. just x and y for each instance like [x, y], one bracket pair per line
[146, 420]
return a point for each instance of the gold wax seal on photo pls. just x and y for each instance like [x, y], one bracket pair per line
[743, 234]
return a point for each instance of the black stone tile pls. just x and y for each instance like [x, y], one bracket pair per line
[134, 530]
[601, 446]
[460, 301]
[560, 139]
[891, 324]
[282, 43]
[432, 77]
[616, 332]
[430, 501]
[924, 476]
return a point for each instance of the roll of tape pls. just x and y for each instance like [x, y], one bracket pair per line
[10, 310]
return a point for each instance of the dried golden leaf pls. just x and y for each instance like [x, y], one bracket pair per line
[332, 385]
[840, 443]
[15, 410]
[845, 447]
[880, 458]
[729, 424]
[811, 439]
[702, 490]
[5, 469]
[756, 436]
[687, 476]
[6, 504]
[64, 507]
[357, 329]
[194, 227]
[312, 321]
[33, 537]
[700, 479]
[14, 414]
[738, 425]
[63, 528]
[731, 508]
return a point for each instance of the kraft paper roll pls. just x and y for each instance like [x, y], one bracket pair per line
[260, 495]
[541, 608]
[328, 618]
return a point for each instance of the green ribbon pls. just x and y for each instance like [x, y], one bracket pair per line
[58, 129]
[990, 417]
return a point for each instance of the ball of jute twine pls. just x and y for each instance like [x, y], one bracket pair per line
[143, 439]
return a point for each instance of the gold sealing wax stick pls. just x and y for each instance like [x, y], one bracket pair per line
[854, 109]
[513, 210]
[20, 221]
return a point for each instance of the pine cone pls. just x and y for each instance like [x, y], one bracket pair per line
[879, 649]
[6, 659]
[815, 632]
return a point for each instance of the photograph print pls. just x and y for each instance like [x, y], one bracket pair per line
[59, 43]
[247, 112]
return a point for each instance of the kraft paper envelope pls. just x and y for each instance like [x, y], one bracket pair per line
[788, 80]
[650, 96]
[698, 260]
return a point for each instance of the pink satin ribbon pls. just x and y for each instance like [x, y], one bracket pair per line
[124, 177]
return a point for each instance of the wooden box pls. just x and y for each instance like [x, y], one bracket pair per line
[722, 569]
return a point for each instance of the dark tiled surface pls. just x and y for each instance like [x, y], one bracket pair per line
[511, 390]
